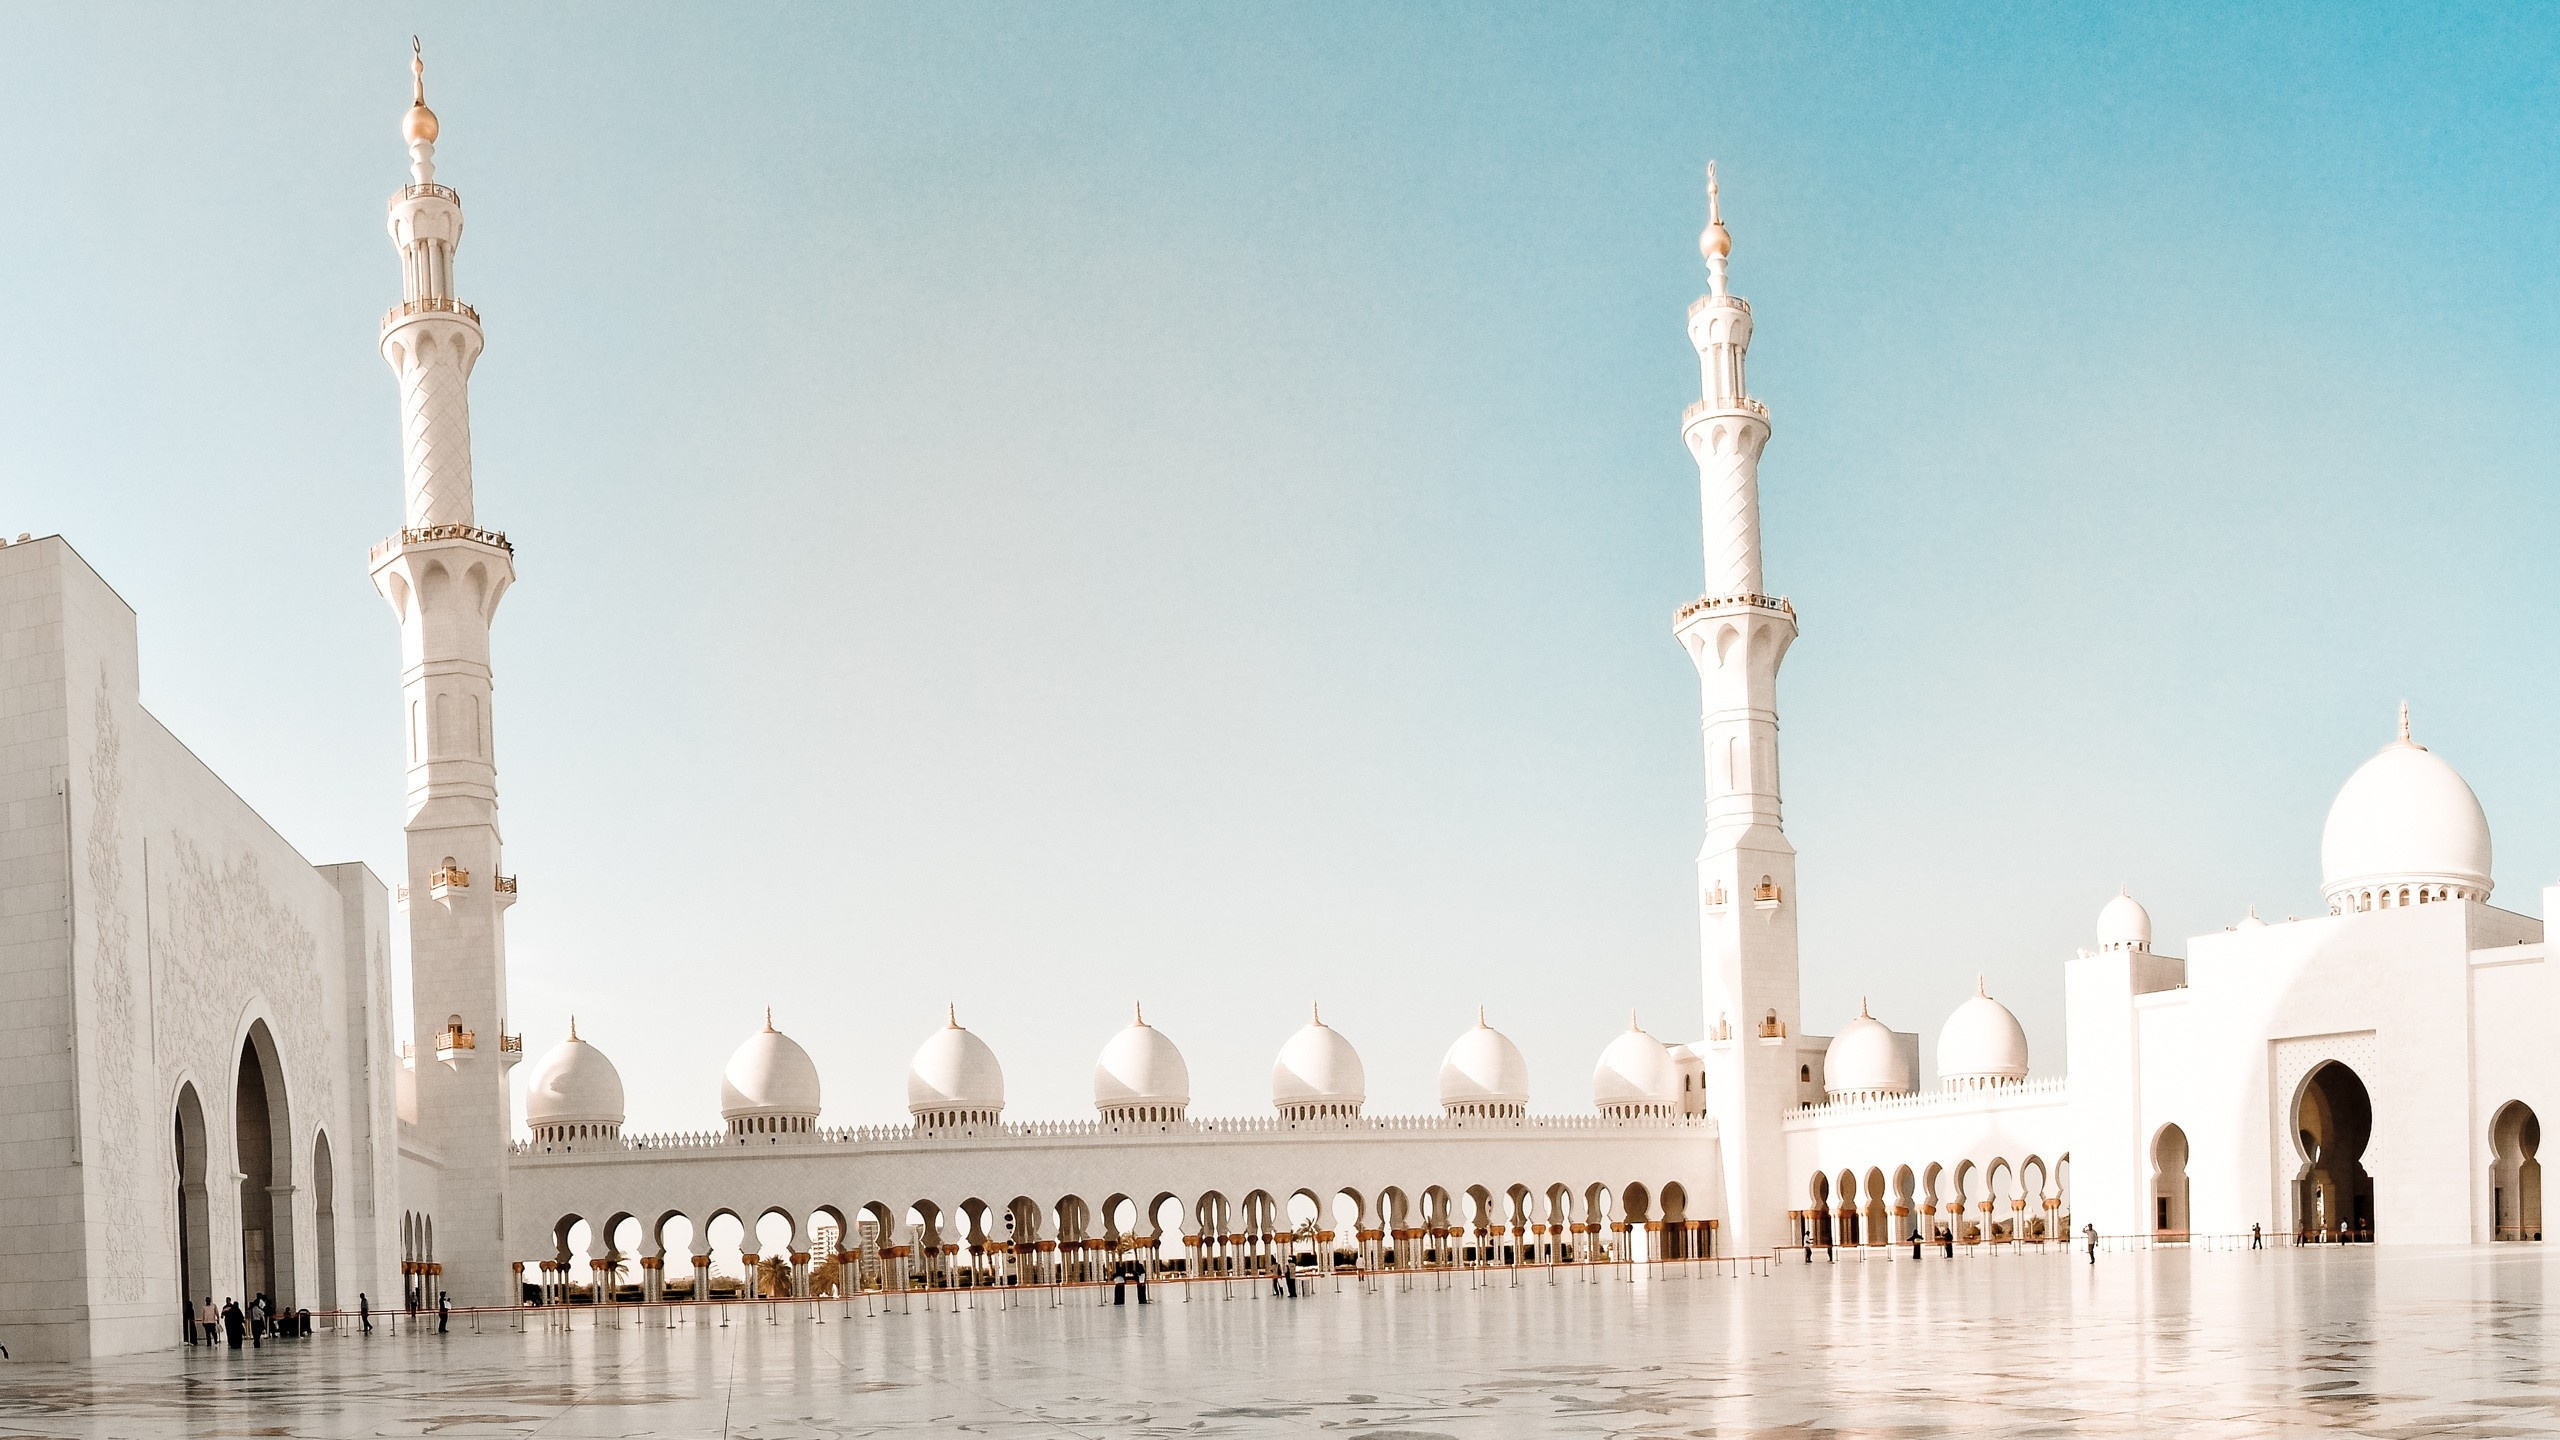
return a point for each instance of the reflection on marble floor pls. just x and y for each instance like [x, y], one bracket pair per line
[2367, 1341]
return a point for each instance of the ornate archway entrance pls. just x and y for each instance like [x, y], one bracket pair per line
[2515, 1174]
[2332, 1125]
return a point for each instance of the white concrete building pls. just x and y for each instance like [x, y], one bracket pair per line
[200, 1093]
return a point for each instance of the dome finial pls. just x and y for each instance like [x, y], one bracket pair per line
[1977, 987]
[1480, 1016]
[768, 1019]
[419, 125]
[1139, 1007]
[1716, 243]
[2404, 728]
[1862, 1009]
[573, 1027]
[950, 1014]
[1632, 1025]
[1315, 1013]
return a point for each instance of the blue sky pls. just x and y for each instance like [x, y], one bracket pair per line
[1048, 507]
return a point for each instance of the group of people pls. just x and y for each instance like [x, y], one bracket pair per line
[253, 1322]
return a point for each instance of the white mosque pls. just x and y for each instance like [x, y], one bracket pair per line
[201, 1093]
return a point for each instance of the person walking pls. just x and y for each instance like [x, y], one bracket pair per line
[364, 1311]
[444, 1311]
[234, 1324]
[258, 1321]
[2091, 1231]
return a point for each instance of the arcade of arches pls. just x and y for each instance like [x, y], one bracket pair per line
[1970, 1202]
[926, 1244]
[262, 1133]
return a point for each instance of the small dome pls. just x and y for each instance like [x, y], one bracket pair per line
[1637, 1075]
[573, 1085]
[1484, 1074]
[1141, 1071]
[769, 1075]
[955, 1075]
[2123, 924]
[2251, 921]
[1318, 1073]
[1865, 1061]
[2404, 821]
[1983, 1044]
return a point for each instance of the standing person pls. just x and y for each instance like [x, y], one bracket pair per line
[234, 1325]
[1915, 1242]
[2091, 1231]
[258, 1321]
[2257, 1237]
[302, 1323]
[364, 1311]
[1947, 1238]
[210, 1318]
[187, 1319]
[444, 1311]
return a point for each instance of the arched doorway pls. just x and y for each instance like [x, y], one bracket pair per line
[195, 1215]
[324, 1220]
[262, 1125]
[2515, 1175]
[2332, 1124]
[2169, 1182]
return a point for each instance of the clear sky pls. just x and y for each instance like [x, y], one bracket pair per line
[1045, 507]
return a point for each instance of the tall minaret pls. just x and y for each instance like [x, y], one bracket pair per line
[1747, 870]
[443, 575]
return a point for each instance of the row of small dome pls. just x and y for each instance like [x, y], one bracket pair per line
[770, 1086]
[1981, 1045]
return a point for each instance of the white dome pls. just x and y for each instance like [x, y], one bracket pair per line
[2124, 924]
[1865, 1061]
[573, 1085]
[1637, 1075]
[955, 1073]
[1318, 1069]
[1484, 1074]
[2251, 921]
[1141, 1069]
[769, 1075]
[2404, 821]
[1983, 1044]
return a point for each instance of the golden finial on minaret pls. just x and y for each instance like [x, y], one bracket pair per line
[1716, 243]
[420, 122]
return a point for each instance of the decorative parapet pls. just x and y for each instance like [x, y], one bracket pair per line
[495, 539]
[1703, 603]
[1034, 1131]
[2023, 1092]
[1703, 301]
[1700, 409]
[429, 305]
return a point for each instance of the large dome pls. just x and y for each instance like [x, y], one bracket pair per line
[1983, 1044]
[1865, 1061]
[573, 1085]
[2405, 828]
[770, 1075]
[1637, 1075]
[955, 1078]
[1484, 1074]
[1141, 1076]
[1318, 1073]
[2123, 924]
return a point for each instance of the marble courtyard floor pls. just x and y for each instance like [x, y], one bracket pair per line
[2366, 1341]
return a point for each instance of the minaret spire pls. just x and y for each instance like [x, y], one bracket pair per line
[1737, 635]
[444, 576]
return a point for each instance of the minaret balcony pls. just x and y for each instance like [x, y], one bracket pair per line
[502, 889]
[510, 1050]
[1714, 898]
[1765, 896]
[428, 305]
[1732, 301]
[495, 539]
[1700, 409]
[430, 190]
[447, 882]
[454, 1045]
[1773, 1031]
[1705, 603]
